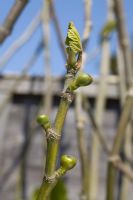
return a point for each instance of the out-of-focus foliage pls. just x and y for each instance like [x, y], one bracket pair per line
[113, 65]
[59, 192]
[108, 28]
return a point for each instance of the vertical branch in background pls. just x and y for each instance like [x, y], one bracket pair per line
[127, 149]
[82, 147]
[99, 111]
[12, 17]
[57, 27]
[124, 119]
[121, 74]
[19, 79]
[48, 72]
[124, 40]
[20, 41]
[23, 163]
[22, 188]
[80, 119]
[125, 72]
[88, 23]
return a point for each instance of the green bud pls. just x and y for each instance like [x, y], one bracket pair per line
[81, 80]
[44, 121]
[68, 162]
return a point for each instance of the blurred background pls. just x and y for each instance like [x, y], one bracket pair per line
[32, 70]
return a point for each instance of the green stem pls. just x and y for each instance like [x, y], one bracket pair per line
[53, 145]
[52, 149]
[73, 48]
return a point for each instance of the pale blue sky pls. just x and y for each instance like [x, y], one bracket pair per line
[67, 10]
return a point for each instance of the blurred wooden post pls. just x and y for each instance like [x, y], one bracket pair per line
[79, 113]
[99, 112]
[82, 147]
[48, 72]
[119, 137]
[124, 40]
[11, 19]
[125, 70]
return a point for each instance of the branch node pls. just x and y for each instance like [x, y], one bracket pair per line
[49, 179]
[115, 159]
[67, 96]
[52, 135]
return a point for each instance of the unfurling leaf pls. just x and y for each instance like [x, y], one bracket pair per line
[73, 39]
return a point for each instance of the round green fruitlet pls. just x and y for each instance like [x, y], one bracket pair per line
[43, 120]
[67, 162]
[83, 79]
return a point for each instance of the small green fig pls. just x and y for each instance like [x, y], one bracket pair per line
[44, 121]
[83, 79]
[67, 162]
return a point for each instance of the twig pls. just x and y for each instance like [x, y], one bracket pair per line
[125, 116]
[58, 30]
[17, 44]
[99, 110]
[117, 162]
[6, 175]
[96, 127]
[82, 146]
[20, 78]
[124, 40]
[125, 71]
[80, 121]
[100, 105]
[48, 71]
[53, 135]
[88, 23]
[12, 17]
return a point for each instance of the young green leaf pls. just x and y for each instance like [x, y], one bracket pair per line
[73, 39]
